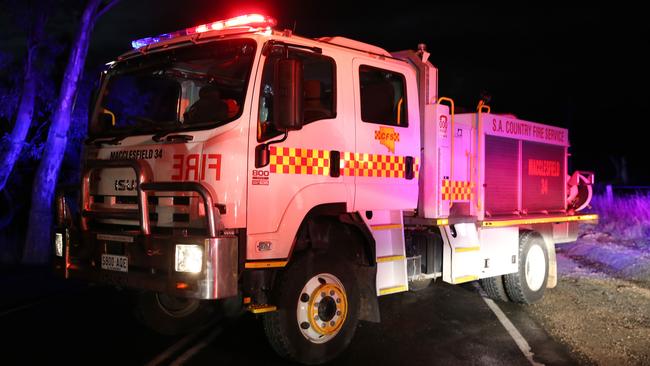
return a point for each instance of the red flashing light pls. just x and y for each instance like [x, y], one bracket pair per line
[249, 21]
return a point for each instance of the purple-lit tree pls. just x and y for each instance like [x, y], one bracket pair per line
[38, 243]
[12, 147]
[34, 14]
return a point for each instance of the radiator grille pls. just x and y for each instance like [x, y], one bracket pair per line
[164, 211]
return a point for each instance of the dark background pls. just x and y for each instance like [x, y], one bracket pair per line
[580, 66]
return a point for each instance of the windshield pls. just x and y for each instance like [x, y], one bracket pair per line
[201, 86]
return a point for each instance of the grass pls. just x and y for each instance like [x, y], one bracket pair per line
[626, 217]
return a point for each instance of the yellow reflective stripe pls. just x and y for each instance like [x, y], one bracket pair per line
[259, 309]
[442, 222]
[540, 220]
[266, 264]
[386, 227]
[392, 290]
[390, 258]
[464, 279]
[467, 249]
[587, 217]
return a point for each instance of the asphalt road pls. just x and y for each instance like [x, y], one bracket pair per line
[44, 319]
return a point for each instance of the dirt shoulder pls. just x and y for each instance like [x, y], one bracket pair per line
[605, 320]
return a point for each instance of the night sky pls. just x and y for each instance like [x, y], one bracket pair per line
[579, 67]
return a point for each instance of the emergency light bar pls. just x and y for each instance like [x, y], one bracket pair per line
[250, 21]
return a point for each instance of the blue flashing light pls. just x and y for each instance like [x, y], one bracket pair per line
[143, 42]
[250, 21]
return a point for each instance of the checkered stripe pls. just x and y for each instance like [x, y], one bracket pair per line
[374, 165]
[456, 190]
[290, 160]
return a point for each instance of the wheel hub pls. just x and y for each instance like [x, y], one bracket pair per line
[327, 308]
[322, 308]
[535, 268]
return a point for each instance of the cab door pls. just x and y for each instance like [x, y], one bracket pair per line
[387, 144]
[298, 177]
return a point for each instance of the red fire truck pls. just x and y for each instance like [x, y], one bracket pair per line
[303, 178]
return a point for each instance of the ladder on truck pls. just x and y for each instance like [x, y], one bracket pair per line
[387, 228]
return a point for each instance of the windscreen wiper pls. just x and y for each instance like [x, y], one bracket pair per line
[159, 136]
[109, 141]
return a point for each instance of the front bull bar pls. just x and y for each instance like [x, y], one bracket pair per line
[143, 176]
[219, 279]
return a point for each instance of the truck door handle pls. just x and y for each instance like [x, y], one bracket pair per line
[409, 171]
[335, 164]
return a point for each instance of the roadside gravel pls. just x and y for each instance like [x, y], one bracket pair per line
[602, 318]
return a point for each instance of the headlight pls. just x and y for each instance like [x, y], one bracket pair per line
[58, 245]
[189, 258]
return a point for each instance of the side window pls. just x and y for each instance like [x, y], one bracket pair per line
[383, 96]
[319, 90]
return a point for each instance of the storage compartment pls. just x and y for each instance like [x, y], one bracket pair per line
[511, 167]
[523, 167]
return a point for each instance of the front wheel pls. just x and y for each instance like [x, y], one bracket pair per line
[318, 309]
[171, 315]
[527, 285]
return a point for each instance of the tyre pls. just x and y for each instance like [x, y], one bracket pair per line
[170, 315]
[318, 309]
[494, 288]
[527, 285]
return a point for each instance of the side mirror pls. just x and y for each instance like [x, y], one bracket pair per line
[288, 96]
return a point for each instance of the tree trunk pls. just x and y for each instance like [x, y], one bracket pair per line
[39, 241]
[11, 151]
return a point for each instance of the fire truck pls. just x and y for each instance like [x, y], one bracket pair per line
[301, 179]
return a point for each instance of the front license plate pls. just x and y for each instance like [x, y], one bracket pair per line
[115, 262]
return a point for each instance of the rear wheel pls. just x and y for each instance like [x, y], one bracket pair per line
[527, 285]
[494, 288]
[171, 315]
[318, 309]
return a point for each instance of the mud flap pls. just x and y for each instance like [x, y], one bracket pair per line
[369, 305]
